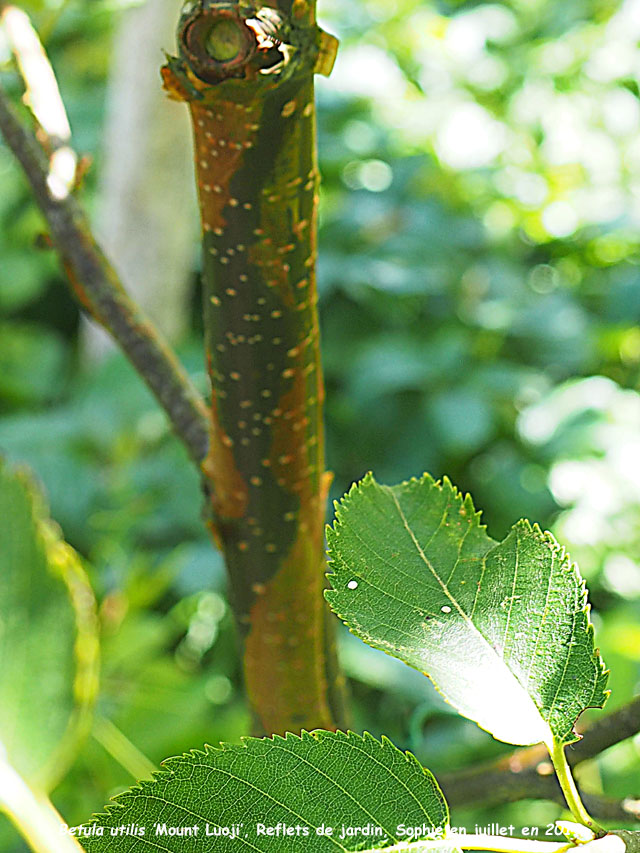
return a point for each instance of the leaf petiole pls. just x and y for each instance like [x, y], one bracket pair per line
[121, 749]
[569, 788]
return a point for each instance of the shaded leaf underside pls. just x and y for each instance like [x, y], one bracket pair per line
[48, 639]
[502, 629]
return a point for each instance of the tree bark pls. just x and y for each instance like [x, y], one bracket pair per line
[248, 81]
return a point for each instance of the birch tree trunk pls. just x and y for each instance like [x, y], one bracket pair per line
[246, 74]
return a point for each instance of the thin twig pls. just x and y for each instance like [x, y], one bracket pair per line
[101, 293]
[608, 730]
[43, 97]
[527, 773]
[499, 787]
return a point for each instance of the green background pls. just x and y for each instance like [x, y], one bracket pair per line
[479, 298]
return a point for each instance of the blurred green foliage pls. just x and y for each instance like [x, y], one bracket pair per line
[480, 301]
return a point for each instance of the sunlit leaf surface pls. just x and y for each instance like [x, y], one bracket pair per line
[501, 628]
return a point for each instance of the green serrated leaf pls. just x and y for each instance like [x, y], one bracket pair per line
[274, 795]
[502, 629]
[48, 638]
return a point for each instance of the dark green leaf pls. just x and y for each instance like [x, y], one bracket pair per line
[328, 779]
[502, 629]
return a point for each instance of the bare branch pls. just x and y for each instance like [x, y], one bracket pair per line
[528, 774]
[100, 292]
[492, 788]
[608, 730]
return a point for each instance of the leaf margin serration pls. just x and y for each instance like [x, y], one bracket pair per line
[335, 564]
[166, 773]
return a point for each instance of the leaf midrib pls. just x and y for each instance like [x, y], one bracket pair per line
[399, 570]
[467, 620]
[566, 664]
[302, 818]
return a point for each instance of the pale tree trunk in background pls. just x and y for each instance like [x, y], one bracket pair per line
[147, 214]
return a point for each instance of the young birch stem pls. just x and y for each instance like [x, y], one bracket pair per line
[34, 816]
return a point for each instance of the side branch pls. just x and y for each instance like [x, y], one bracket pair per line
[608, 730]
[527, 773]
[97, 287]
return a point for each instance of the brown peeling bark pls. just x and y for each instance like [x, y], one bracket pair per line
[248, 80]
